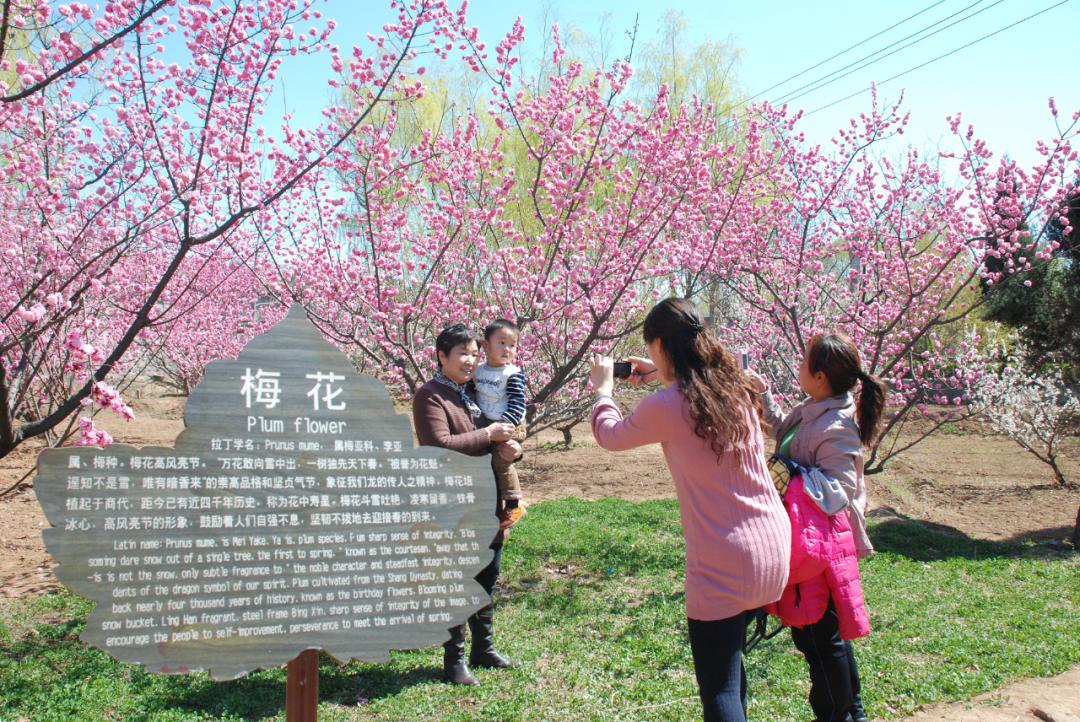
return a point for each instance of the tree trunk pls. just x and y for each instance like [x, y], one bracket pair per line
[1076, 530]
[1058, 474]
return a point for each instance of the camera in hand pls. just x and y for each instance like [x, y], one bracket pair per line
[623, 369]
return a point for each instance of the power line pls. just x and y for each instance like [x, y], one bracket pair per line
[940, 57]
[846, 50]
[823, 81]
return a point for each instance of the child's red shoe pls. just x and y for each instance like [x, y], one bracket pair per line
[511, 515]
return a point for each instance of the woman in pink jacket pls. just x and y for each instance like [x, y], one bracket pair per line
[827, 433]
[738, 537]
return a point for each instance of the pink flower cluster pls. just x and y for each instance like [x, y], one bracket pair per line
[106, 397]
[90, 435]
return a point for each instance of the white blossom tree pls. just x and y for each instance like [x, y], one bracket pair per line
[1034, 410]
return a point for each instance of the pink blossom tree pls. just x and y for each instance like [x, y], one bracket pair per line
[567, 208]
[213, 307]
[132, 149]
[886, 250]
[138, 180]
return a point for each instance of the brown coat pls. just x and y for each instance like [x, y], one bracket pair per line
[441, 419]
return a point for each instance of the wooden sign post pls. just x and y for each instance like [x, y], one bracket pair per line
[302, 688]
[293, 515]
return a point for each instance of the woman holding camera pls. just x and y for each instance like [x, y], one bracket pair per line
[738, 537]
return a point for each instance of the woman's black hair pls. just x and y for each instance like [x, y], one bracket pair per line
[708, 375]
[452, 336]
[836, 356]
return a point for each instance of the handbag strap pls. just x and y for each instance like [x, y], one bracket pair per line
[785, 444]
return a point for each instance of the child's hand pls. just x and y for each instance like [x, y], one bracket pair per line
[644, 371]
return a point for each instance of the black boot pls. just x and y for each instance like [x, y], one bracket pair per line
[455, 670]
[483, 652]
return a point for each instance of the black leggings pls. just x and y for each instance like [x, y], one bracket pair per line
[834, 677]
[717, 649]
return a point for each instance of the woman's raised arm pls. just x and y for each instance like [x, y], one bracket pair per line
[650, 423]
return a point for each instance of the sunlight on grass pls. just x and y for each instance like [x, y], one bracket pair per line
[591, 603]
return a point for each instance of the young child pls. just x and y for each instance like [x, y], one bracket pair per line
[500, 394]
[827, 432]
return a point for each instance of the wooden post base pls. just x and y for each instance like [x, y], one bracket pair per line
[302, 688]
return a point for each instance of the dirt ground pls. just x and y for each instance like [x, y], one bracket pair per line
[973, 483]
[1056, 699]
[978, 484]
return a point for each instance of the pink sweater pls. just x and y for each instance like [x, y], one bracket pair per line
[738, 537]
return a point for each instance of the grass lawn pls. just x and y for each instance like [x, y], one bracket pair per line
[591, 603]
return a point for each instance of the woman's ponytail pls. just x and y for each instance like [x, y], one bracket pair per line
[835, 355]
[871, 407]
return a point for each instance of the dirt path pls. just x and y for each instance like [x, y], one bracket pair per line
[973, 483]
[1054, 699]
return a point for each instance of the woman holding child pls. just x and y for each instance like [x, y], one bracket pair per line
[738, 537]
[445, 414]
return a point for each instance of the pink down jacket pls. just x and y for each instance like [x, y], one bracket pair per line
[823, 564]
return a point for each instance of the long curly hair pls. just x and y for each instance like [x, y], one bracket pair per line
[707, 374]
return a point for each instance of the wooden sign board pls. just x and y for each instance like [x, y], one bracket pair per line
[294, 513]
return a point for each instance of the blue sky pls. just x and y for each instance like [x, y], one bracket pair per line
[1001, 84]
